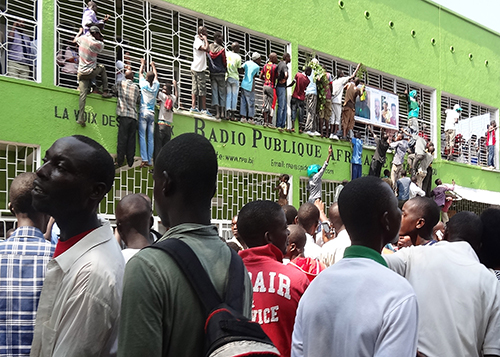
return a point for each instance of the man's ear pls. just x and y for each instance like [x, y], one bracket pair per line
[385, 222]
[267, 237]
[292, 247]
[167, 185]
[420, 223]
[99, 189]
[11, 209]
[296, 220]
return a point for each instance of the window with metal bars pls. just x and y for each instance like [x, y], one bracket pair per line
[382, 81]
[19, 39]
[468, 150]
[156, 32]
[328, 188]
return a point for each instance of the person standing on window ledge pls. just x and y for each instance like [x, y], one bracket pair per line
[19, 59]
[490, 143]
[198, 75]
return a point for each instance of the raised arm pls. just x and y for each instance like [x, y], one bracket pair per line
[355, 71]
[154, 70]
[141, 69]
[174, 84]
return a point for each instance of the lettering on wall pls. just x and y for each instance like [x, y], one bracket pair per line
[90, 117]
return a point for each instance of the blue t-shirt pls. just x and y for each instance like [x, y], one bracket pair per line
[403, 185]
[148, 95]
[251, 69]
[357, 150]
[311, 87]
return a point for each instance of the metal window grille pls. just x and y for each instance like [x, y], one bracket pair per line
[472, 151]
[382, 81]
[328, 188]
[153, 31]
[15, 158]
[12, 12]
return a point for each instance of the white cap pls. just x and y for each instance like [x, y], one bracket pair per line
[457, 108]
[255, 56]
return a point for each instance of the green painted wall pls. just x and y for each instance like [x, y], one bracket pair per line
[35, 112]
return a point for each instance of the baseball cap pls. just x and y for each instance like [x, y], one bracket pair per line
[255, 56]
[457, 108]
[94, 29]
[313, 170]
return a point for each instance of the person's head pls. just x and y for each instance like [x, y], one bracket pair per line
[286, 57]
[438, 182]
[150, 77]
[261, 223]
[256, 57]
[296, 241]
[413, 94]
[403, 173]
[404, 241]
[308, 217]
[308, 71]
[377, 108]
[21, 201]
[334, 217]
[387, 173]
[290, 213]
[167, 87]
[235, 47]
[457, 108]
[357, 134]
[96, 32]
[344, 182]
[202, 30]
[419, 216]
[369, 211]
[384, 135]
[357, 81]
[393, 110]
[284, 178]
[129, 74]
[234, 246]
[133, 218]
[384, 105]
[185, 175]
[234, 226]
[340, 73]
[273, 57]
[465, 226]
[414, 179]
[489, 254]
[218, 39]
[313, 170]
[431, 148]
[92, 6]
[76, 174]
[400, 136]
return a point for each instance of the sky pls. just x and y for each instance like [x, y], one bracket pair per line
[484, 12]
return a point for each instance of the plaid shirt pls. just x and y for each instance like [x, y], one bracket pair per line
[128, 96]
[23, 261]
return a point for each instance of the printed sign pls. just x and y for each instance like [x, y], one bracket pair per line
[378, 108]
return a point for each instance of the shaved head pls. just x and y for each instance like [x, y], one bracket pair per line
[20, 193]
[297, 236]
[308, 217]
[334, 217]
[133, 214]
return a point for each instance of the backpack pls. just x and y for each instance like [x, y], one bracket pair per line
[227, 332]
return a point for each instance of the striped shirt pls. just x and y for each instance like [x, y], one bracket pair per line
[23, 260]
[88, 50]
[128, 94]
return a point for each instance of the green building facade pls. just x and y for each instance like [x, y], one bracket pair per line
[404, 45]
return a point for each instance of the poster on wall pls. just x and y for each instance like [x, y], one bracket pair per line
[378, 108]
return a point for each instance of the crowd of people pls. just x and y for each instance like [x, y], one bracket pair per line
[314, 283]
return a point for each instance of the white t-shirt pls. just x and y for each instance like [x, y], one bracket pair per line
[129, 253]
[459, 299]
[199, 63]
[415, 190]
[311, 249]
[451, 116]
[164, 114]
[356, 308]
[337, 89]
[333, 250]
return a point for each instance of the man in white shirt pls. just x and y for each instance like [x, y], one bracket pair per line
[452, 116]
[459, 299]
[414, 189]
[80, 301]
[358, 307]
[308, 218]
[198, 75]
[333, 250]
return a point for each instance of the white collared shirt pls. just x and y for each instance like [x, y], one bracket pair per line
[311, 249]
[80, 301]
[333, 250]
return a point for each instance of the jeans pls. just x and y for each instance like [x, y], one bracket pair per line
[127, 127]
[232, 87]
[281, 115]
[491, 155]
[247, 100]
[299, 105]
[163, 134]
[356, 171]
[218, 83]
[146, 121]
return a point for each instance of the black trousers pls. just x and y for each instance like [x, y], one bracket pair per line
[162, 135]
[375, 168]
[127, 127]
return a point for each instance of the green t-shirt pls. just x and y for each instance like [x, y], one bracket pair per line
[160, 313]
[233, 63]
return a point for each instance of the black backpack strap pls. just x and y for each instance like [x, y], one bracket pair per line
[191, 266]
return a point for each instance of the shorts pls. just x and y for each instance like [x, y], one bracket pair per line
[347, 118]
[326, 113]
[268, 99]
[199, 80]
[336, 113]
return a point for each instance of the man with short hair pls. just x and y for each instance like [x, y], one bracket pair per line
[439, 192]
[149, 90]
[233, 79]
[459, 299]
[277, 287]
[133, 221]
[198, 75]
[89, 18]
[301, 82]
[128, 94]
[161, 313]
[308, 218]
[80, 302]
[425, 164]
[419, 216]
[90, 45]
[348, 110]
[414, 189]
[268, 74]
[236, 239]
[381, 146]
[247, 104]
[403, 188]
[399, 146]
[217, 65]
[311, 92]
[333, 250]
[358, 307]
[281, 78]
[450, 130]
[290, 213]
[357, 155]
[23, 260]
